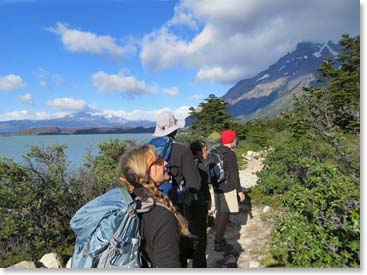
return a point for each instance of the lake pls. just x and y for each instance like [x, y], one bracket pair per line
[14, 147]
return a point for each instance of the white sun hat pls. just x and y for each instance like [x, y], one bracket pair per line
[167, 123]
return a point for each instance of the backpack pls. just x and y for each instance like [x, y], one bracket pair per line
[107, 230]
[216, 167]
[163, 146]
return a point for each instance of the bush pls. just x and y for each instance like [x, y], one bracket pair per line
[37, 200]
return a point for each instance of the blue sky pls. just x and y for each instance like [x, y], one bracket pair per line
[134, 59]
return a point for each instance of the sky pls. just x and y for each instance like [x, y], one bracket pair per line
[136, 58]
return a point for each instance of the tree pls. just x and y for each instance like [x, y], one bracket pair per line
[211, 116]
[337, 104]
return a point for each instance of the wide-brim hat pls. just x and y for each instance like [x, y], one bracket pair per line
[167, 123]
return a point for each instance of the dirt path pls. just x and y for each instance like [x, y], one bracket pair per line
[247, 232]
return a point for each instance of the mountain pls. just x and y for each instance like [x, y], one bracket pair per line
[84, 131]
[77, 120]
[271, 91]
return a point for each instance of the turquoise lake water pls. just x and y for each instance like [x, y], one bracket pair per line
[14, 147]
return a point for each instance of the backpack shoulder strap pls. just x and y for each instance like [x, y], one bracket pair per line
[144, 205]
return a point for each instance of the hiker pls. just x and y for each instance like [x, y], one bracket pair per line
[225, 193]
[160, 227]
[201, 206]
[184, 174]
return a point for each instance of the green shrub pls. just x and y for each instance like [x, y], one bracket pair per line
[38, 199]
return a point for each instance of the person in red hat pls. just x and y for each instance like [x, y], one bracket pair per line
[225, 193]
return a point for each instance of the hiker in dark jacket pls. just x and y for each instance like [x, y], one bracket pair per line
[162, 226]
[201, 206]
[185, 175]
[225, 194]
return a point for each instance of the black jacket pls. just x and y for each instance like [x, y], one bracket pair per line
[159, 228]
[204, 193]
[230, 170]
[182, 166]
[160, 235]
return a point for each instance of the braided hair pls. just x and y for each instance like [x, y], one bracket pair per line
[135, 168]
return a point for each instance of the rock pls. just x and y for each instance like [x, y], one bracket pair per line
[68, 264]
[52, 260]
[254, 264]
[24, 264]
[266, 209]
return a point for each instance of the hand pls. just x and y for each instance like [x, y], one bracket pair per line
[242, 196]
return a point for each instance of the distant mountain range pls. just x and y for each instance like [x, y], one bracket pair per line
[83, 131]
[264, 95]
[75, 121]
[271, 91]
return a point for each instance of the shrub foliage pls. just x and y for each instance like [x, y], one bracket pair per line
[38, 198]
[315, 171]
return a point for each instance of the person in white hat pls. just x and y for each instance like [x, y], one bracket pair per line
[183, 171]
[167, 124]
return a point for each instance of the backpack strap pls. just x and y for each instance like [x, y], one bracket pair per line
[144, 205]
[147, 204]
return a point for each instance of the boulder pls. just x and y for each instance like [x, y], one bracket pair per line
[254, 264]
[24, 264]
[52, 260]
[266, 209]
[250, 153]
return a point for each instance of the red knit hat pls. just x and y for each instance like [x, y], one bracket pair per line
[228, 136]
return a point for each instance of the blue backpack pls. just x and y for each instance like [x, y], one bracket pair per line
[163, 146]
[107, 230]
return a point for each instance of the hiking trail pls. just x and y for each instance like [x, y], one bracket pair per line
[246, 231]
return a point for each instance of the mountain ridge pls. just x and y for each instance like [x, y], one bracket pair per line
[76, 120]
[270, 91]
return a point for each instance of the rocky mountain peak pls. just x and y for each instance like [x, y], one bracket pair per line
[271, 91]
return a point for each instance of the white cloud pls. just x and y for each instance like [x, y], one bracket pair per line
[152, 115]
[67, 104]
[24, 114]
[124, 84]
[170, 91]
[46, 77]
[219, 74]
[235, 39]
[182, 16]
[26, 99]
[16, 115]
[76, 40]
[42, 115]
[11, 82]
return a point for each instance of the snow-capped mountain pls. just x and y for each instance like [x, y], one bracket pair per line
[76, 120]
[271, 91]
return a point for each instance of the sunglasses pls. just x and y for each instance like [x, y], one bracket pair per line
[159, 161]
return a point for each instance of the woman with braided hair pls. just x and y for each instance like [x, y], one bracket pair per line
[161, 227]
